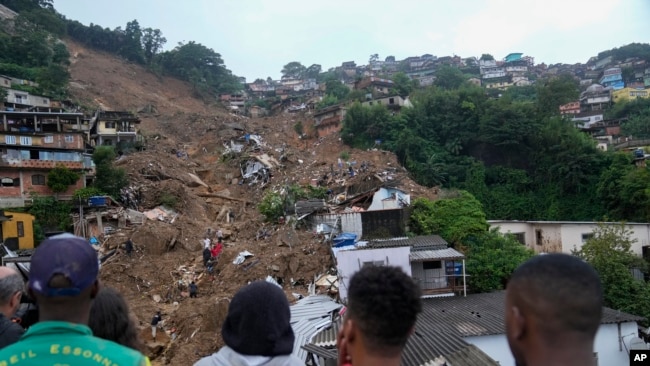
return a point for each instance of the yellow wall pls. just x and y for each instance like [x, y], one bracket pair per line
[103, 129]
[10, 229]
[630, 93]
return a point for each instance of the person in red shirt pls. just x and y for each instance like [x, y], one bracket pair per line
[216, 250]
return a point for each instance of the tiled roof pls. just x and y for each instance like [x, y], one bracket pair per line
[427, 242]
[444, 322]
[425, 255]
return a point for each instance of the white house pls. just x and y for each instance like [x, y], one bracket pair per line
[389, 198]
[565, 236]
[435, 267]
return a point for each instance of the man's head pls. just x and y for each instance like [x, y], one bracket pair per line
[258, 321]
[63, 273]
[552, 300]
[383, 304]
[11, 291]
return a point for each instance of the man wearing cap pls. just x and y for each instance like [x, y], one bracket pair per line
[256, 330]
[63, 281]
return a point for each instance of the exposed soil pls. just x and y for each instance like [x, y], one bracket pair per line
[185, 137]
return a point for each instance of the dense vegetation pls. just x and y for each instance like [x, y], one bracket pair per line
[29, 52]
[36, 55]
[609, 252]
[515, 154]
[459, 218]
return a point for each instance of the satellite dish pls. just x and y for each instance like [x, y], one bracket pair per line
[637, 343]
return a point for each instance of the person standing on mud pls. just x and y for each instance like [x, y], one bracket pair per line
[157, 318]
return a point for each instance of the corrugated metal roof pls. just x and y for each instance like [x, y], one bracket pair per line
[309, 310]
[308, 316]
[416, 243]
[611, 316]
[423, 255]
[444, 322]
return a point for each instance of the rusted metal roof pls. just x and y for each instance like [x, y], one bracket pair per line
[440, 254]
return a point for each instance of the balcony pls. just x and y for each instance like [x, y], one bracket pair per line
[40, 164]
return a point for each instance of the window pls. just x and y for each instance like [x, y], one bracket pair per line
[109, 124]
[520, 237]
[108, 142]
[20, 227]
[69, 138]
[432, 265]
[48, 139]
[45, 101]
[374, 263]
[538, 237]
[38, 180]
[10, 140]
[587, 236]
[391, 101]
[25, 140]
[10, 182]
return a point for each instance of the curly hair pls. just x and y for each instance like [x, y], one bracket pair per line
[384, 302]
[110, 319]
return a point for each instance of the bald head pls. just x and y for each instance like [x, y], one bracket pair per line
[11, 289]
[558, 293]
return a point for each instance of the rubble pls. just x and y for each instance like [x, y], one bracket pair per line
[205, 168]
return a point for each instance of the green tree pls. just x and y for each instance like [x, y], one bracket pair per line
[293, 70]
[454, 219]
[313, 71]
[637, 126]
[108, 178]
[609, 252]
[327, 101]
[448, 77]
[402, 84]
[60, 178]
[52, 215]
[132, 47]
[486, 57]
[152, 43]
[337, 89]
[491, 258]
[556, 91]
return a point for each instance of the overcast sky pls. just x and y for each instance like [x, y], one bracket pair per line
[256, 38]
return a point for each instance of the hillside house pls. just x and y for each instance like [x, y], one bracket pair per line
[595, 98]
[437, 268]
[18, 100]
[613, 77]
[629, 93]
[374, 85]
[565, 236]
[27, 157]
[394, 102]
[328, 120]
[115, 128]
[570, 108]
[16, 230]
[5, 81]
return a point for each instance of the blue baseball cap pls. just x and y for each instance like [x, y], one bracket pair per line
[68, 255]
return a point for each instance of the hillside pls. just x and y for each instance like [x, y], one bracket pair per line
[169, 252]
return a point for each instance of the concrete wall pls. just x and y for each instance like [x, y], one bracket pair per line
[350, 261]
[606, 345]
[567, 236]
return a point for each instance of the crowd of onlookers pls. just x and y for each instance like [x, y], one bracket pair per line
[552, 312]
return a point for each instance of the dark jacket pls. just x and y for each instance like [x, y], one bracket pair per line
[10, 332]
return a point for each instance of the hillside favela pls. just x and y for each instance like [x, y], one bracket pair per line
[268, 192]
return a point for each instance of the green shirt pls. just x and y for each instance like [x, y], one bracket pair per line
[55, 343]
